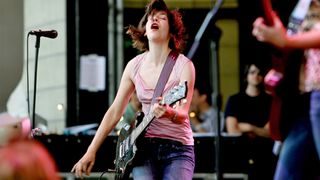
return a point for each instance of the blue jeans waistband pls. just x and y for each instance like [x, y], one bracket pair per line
[161, 141]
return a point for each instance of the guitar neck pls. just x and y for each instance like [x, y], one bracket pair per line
[295, 19]
[267, 10]
[141, 127]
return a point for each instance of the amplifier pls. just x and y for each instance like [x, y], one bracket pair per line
[237, 153]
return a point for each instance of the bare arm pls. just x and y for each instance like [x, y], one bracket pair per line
[258, 131]
[110, 119]
[114, 113]
[234, 127]
[277, 36]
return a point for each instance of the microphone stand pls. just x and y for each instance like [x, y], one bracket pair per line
[204, 26]
[214, 47]
[206, 23]
[37, 46]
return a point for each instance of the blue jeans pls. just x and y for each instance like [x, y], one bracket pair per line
[315, 118]
[165, 160]
[298, 158]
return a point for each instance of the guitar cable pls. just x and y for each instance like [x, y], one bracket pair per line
[100, 178]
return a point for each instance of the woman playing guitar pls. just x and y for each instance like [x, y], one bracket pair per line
[298, 158]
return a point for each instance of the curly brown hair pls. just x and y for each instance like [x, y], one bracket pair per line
[176, 28]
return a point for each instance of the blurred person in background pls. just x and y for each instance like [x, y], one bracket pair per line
[26, 160]
[203, 115]
[301, 102]
[247, 114]
[13, 128]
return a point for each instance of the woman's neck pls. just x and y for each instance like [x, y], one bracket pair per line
[252, 90]
[158, 53]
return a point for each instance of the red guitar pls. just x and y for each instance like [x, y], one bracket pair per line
[282, 80]
[272, 80]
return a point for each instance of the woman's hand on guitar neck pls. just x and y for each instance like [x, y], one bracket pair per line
[175, 113]
[275, 35]
[163, 110]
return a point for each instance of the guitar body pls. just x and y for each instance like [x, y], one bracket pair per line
[129, 134]
[122, 163]
[126, 152]
[282, 81]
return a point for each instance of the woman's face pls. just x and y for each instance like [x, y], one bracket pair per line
[157, 27]
[254, 76]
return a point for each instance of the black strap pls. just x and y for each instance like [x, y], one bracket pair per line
[164, 76]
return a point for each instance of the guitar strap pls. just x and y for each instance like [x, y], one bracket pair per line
[297, 16]
[164, 76]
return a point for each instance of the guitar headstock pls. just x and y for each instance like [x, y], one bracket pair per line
[176, 94]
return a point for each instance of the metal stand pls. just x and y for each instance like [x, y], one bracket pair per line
[37, 46]
[214, 61]
[207, 23]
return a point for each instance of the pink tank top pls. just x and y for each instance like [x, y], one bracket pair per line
[162, 127]
[312, 66]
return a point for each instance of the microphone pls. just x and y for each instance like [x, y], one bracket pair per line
[49, 34]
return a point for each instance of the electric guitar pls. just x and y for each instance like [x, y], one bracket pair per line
[282, 81]
[126, 145]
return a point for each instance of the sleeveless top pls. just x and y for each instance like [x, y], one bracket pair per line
[312, 65]
[162, 127]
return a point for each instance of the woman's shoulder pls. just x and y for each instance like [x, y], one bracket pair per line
[238, 95]
[135, 61]
[233, 98]
[134, 64]
[183, 59]
[137, 58]
[183, 62]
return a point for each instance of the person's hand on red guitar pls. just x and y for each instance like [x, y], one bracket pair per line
[275, 34]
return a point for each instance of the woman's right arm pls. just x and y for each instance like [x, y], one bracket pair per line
[110, 119]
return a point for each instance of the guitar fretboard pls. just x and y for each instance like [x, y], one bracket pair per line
[141, 127]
